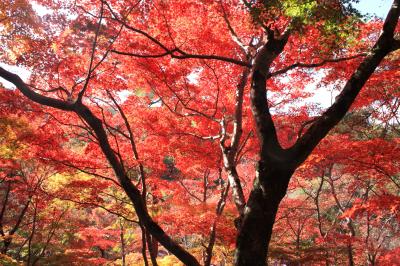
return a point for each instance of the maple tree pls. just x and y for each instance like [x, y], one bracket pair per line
[153, 120]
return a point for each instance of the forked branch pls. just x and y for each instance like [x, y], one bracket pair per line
[320, 128]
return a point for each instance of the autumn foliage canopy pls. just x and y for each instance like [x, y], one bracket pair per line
[153, 132]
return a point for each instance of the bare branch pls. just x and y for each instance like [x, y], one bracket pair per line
[234, 35]
[179, 54]
[25, 90]
[90, 70]
[174, 53]
[312, 65]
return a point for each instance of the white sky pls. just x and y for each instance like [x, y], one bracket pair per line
[378, 8]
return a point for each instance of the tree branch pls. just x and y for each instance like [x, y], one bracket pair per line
[179, 54]
[90, 70]
[133, 193]
[174, 53]
[312, 65]
[320, 128]
[266, 131]
[38, 98]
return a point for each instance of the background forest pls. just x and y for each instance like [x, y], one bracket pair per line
[126, 117]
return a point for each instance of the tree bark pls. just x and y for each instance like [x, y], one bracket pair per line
[230, 153]
[255, 233]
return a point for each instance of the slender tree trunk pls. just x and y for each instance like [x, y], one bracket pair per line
[237, 190]
[122, 238]
[350, 226]
[231, 152]
[6, 240]
[144, 245]
[154, 246]
[350, 254]
[350, 246]
[30, 253]
[213, 231]
[150, 245]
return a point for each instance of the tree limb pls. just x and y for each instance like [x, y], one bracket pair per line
[133, 193]
[320, 128]
[312, 65]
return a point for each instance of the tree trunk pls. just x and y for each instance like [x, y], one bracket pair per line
[255, 233]
[350, 246]
[237, 190]
[122, 238]
[150, 245]
[350, 254]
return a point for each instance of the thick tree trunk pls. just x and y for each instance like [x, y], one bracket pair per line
[255, 233]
